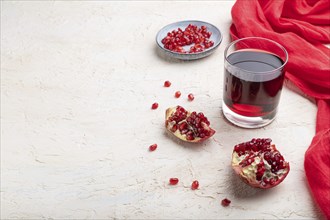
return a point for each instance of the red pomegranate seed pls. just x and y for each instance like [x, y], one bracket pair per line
[173, 181]
[225, 202]
[154, 105]
[177, 94]
[153, 147]
[191, 97]
[167, 83]
[177, 39]
[195, 185]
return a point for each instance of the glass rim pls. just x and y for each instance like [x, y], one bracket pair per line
[257, 38]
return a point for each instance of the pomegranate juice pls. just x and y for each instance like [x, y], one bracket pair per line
[253, 82]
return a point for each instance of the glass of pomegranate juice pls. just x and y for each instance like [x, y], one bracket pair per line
[253, 80]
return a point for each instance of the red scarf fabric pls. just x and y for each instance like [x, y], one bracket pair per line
[302, 27]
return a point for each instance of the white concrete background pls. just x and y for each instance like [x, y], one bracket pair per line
[77, 83]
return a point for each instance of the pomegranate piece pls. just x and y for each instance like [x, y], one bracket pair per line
[195, 185]
[191, 97]
[259, 163]
[153, 147]
[167, 83]
[225, 202]
[177, 94]
[188, 126]
[173, 181]
[154, 105]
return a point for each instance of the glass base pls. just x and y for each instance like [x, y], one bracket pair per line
[247, 122]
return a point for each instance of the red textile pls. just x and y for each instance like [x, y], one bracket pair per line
[302, 27]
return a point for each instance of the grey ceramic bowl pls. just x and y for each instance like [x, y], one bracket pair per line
[216, 37]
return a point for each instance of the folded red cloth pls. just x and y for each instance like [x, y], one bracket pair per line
[302, 27]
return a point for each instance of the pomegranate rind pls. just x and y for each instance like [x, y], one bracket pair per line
[248, 173]
[169, 112]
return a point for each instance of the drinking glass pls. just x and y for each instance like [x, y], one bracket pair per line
[253, 80]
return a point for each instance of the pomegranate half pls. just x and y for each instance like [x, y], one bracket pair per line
[259, 163]
[188, 126]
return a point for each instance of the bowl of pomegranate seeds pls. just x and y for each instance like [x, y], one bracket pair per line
[189, 40]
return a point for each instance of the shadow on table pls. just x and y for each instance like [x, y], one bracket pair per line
[240, 189]
[191, 146]
[161, 54]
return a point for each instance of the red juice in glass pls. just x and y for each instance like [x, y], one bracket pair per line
[253, 80]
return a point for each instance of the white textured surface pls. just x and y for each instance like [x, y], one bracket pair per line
[77, 83]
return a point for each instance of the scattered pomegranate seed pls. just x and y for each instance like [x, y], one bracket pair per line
[191, 97]
[177, 94]
[225, 202]
[154, 105]
[173, 181]
[153, 147]
[167, 83]
[195, 185]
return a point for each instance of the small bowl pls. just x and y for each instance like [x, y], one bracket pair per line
[216, 37]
